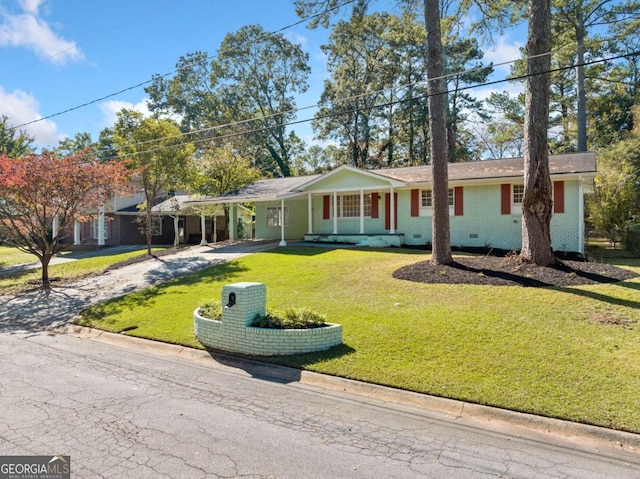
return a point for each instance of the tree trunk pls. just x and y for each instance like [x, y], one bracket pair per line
[148, 228]
[536, 204]
[44, 261]
[441, 236]
[582, 101]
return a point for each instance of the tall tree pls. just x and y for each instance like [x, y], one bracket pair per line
[441, 236]
[80, 142]
[43, 195]
[158, 153]
[536, 202]
[616, 200]
[361, 65]
[14, 143]
[578, 17]
[248, 92]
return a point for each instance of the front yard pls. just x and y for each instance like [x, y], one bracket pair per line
[569, 352]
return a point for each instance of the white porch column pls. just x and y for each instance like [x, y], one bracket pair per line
[392, 213]
[215, 228]
[580, 215]
[233, 220]
[361, 212]
[335, 212]
[309, 214]
[55, 226]
[203, 225]
[176, 231]
[282, 218]
[76, 232]
[101, 226]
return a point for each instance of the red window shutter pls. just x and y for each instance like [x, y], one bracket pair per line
[415, 202]
[374, 204]
[326, 207]
[458, 201]
[387, 212]
[505, 199]
[558, 196]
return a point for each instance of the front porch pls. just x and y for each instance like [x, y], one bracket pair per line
[373, 240]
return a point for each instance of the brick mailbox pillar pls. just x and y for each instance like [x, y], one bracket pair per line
[242, 302]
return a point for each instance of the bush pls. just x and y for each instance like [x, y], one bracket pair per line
[633, 239]
[211, 310]
[291, 318]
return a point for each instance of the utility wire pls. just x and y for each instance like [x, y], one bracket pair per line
[138, 85]
[345, 112]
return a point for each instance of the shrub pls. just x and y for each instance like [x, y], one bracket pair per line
[290, 318]
[211, 310]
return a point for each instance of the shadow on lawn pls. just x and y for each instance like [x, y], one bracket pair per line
[279, 369]
[598, 296]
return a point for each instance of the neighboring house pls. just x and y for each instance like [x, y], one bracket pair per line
[120, 221]
[352, 205]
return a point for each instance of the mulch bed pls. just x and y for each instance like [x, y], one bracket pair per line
[511, 271]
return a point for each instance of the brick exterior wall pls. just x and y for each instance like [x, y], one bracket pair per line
[234, 333]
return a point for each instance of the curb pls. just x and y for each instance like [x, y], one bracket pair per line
[465, 412]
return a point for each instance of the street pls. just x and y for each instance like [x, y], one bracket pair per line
[132, 413]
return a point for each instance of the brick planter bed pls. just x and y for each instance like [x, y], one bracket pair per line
[235, 333]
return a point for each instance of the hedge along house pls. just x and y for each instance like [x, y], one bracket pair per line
[393, 207]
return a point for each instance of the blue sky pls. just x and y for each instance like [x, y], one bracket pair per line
[58, 54]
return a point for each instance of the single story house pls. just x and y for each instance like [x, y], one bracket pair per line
[119, 223]
[352, 205]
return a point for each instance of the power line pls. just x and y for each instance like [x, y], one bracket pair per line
[345, 112]
[138, 85]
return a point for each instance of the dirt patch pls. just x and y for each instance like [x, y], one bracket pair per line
[510, 271]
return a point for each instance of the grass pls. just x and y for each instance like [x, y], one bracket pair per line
[28, 279]
[542, 351]
[10, 256]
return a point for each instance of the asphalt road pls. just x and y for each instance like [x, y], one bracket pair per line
[123, 412]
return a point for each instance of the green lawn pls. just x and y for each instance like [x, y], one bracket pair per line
[526, 349]
[10, 256]
[14, 283]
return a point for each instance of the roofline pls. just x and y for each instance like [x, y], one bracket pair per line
[369, 173]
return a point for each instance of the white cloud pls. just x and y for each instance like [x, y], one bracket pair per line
[22, 107]
[31, 6]
[30, 31]
[296, 38]
[504, 51]
[112, 107]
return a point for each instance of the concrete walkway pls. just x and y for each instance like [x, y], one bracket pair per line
[41, 310]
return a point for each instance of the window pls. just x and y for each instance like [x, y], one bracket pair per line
[518, 194]
[94, 227]
[349, 206]
[156, 226]
[427, 198]
[274, 216]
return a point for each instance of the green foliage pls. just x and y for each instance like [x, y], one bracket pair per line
[80, 143]
[14, 143]
[290, 318]
[211, 310]
[616, 200]
[157, 152]
[250, 88]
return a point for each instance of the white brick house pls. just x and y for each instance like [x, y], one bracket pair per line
[352, 205]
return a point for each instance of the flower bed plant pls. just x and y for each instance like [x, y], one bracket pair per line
[290, 318]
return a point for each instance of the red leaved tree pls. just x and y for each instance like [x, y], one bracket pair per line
[38, 189]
